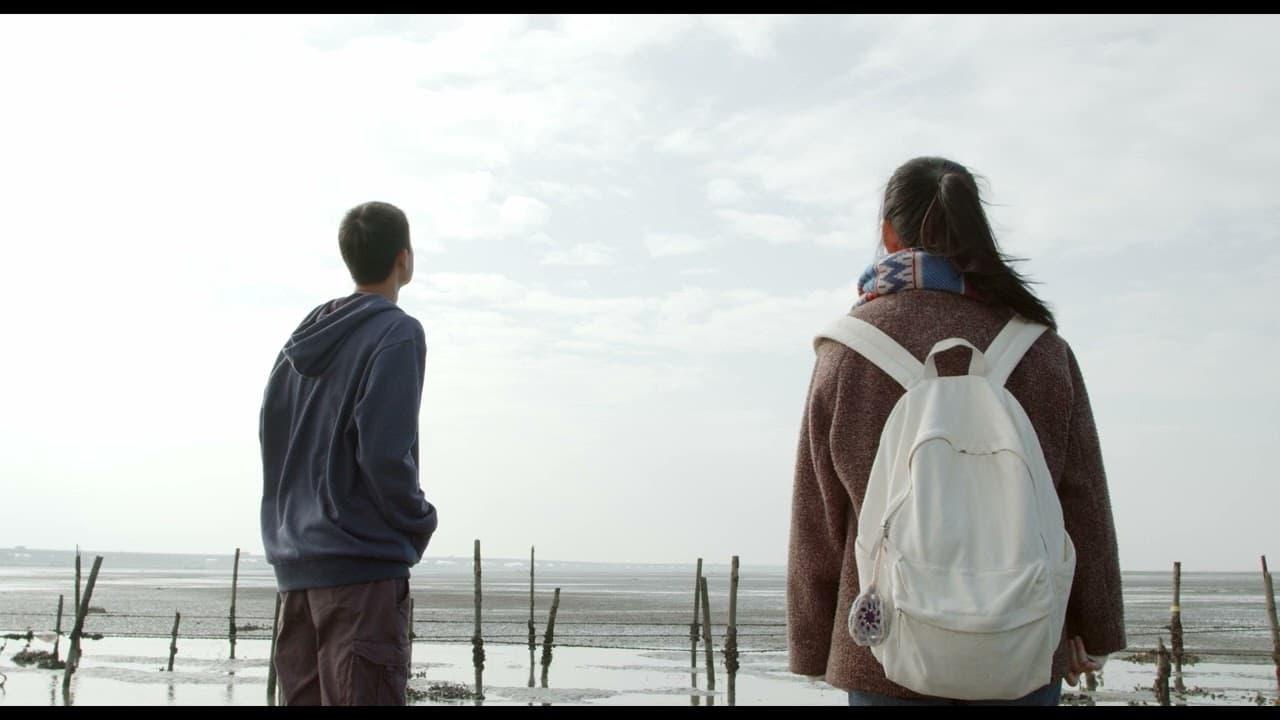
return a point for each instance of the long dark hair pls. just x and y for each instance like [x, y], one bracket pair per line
[933, 204]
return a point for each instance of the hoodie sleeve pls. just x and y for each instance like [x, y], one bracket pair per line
[386, 418]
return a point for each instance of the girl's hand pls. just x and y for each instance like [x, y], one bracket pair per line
[1079, 661]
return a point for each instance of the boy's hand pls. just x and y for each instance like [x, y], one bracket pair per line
[1079, 661]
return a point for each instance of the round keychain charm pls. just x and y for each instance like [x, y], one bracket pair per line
[868, 621]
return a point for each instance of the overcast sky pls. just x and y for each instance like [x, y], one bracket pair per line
[628, 229]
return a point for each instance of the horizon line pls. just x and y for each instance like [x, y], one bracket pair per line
[705, 561]
[425, 558]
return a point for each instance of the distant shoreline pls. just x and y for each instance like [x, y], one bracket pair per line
[21, 556]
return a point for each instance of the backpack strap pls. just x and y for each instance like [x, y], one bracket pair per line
[873, 344]
[1006, 351]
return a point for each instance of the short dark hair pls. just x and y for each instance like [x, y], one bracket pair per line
[370, 237]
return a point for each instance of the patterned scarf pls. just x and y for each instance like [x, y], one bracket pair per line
[912, 269]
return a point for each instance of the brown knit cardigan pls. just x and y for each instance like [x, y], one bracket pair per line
[849, 402]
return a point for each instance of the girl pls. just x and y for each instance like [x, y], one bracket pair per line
[942, 276]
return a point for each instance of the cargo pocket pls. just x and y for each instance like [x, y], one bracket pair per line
[379, 673]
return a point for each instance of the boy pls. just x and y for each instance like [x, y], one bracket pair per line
[343, 515]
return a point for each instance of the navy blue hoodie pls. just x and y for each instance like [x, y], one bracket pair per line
[341, 502]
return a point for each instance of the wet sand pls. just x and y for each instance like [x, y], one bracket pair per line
[622, 634]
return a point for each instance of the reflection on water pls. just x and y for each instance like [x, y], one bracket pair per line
[129, 671]
[531, 668]
[546, 666]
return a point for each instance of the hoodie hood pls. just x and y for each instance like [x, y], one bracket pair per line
[313, 345]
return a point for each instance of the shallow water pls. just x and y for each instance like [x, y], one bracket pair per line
[642, 611]
[129, 671]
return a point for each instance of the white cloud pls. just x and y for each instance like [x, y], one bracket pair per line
[589, 253]
[724, 191]
[694, 320]
[542, 240]
[564, 192]
[542, 301]
[845, 237]
[684, 141]
[464, 287]
[673, 244]
[521, 214]
[750, 34]
[992, 88]
[774, 229]
[834, 239]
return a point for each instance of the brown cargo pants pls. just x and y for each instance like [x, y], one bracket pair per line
[346, 645]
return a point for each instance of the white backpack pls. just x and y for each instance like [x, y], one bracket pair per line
[961, 548]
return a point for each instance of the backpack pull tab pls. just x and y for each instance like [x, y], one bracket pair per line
[868, 621]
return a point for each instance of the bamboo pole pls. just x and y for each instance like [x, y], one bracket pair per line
[533, 637]
[235, 580]
[694, 632]
[73, 653]
[1175, 627]
[57, 630]
[548, 641]
[706, 639]
[1271, 618]
[477, 642]
[1162, 673]
[173, 640]
[731, 635]
[271, 659]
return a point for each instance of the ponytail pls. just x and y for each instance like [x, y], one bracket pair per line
[934, 204]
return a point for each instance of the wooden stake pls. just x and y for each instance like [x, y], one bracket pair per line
[477, 642]
[77, 577]
[271, 658]
[1175, 626]
[694, 631]
[57, 630]
[1162, 673]
[731, 635]
[548, 641]
[706, 639]
[412, 636]
[173, 641]
[533, 637]
[235, 580]
[1271, 617]
[82, 610]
